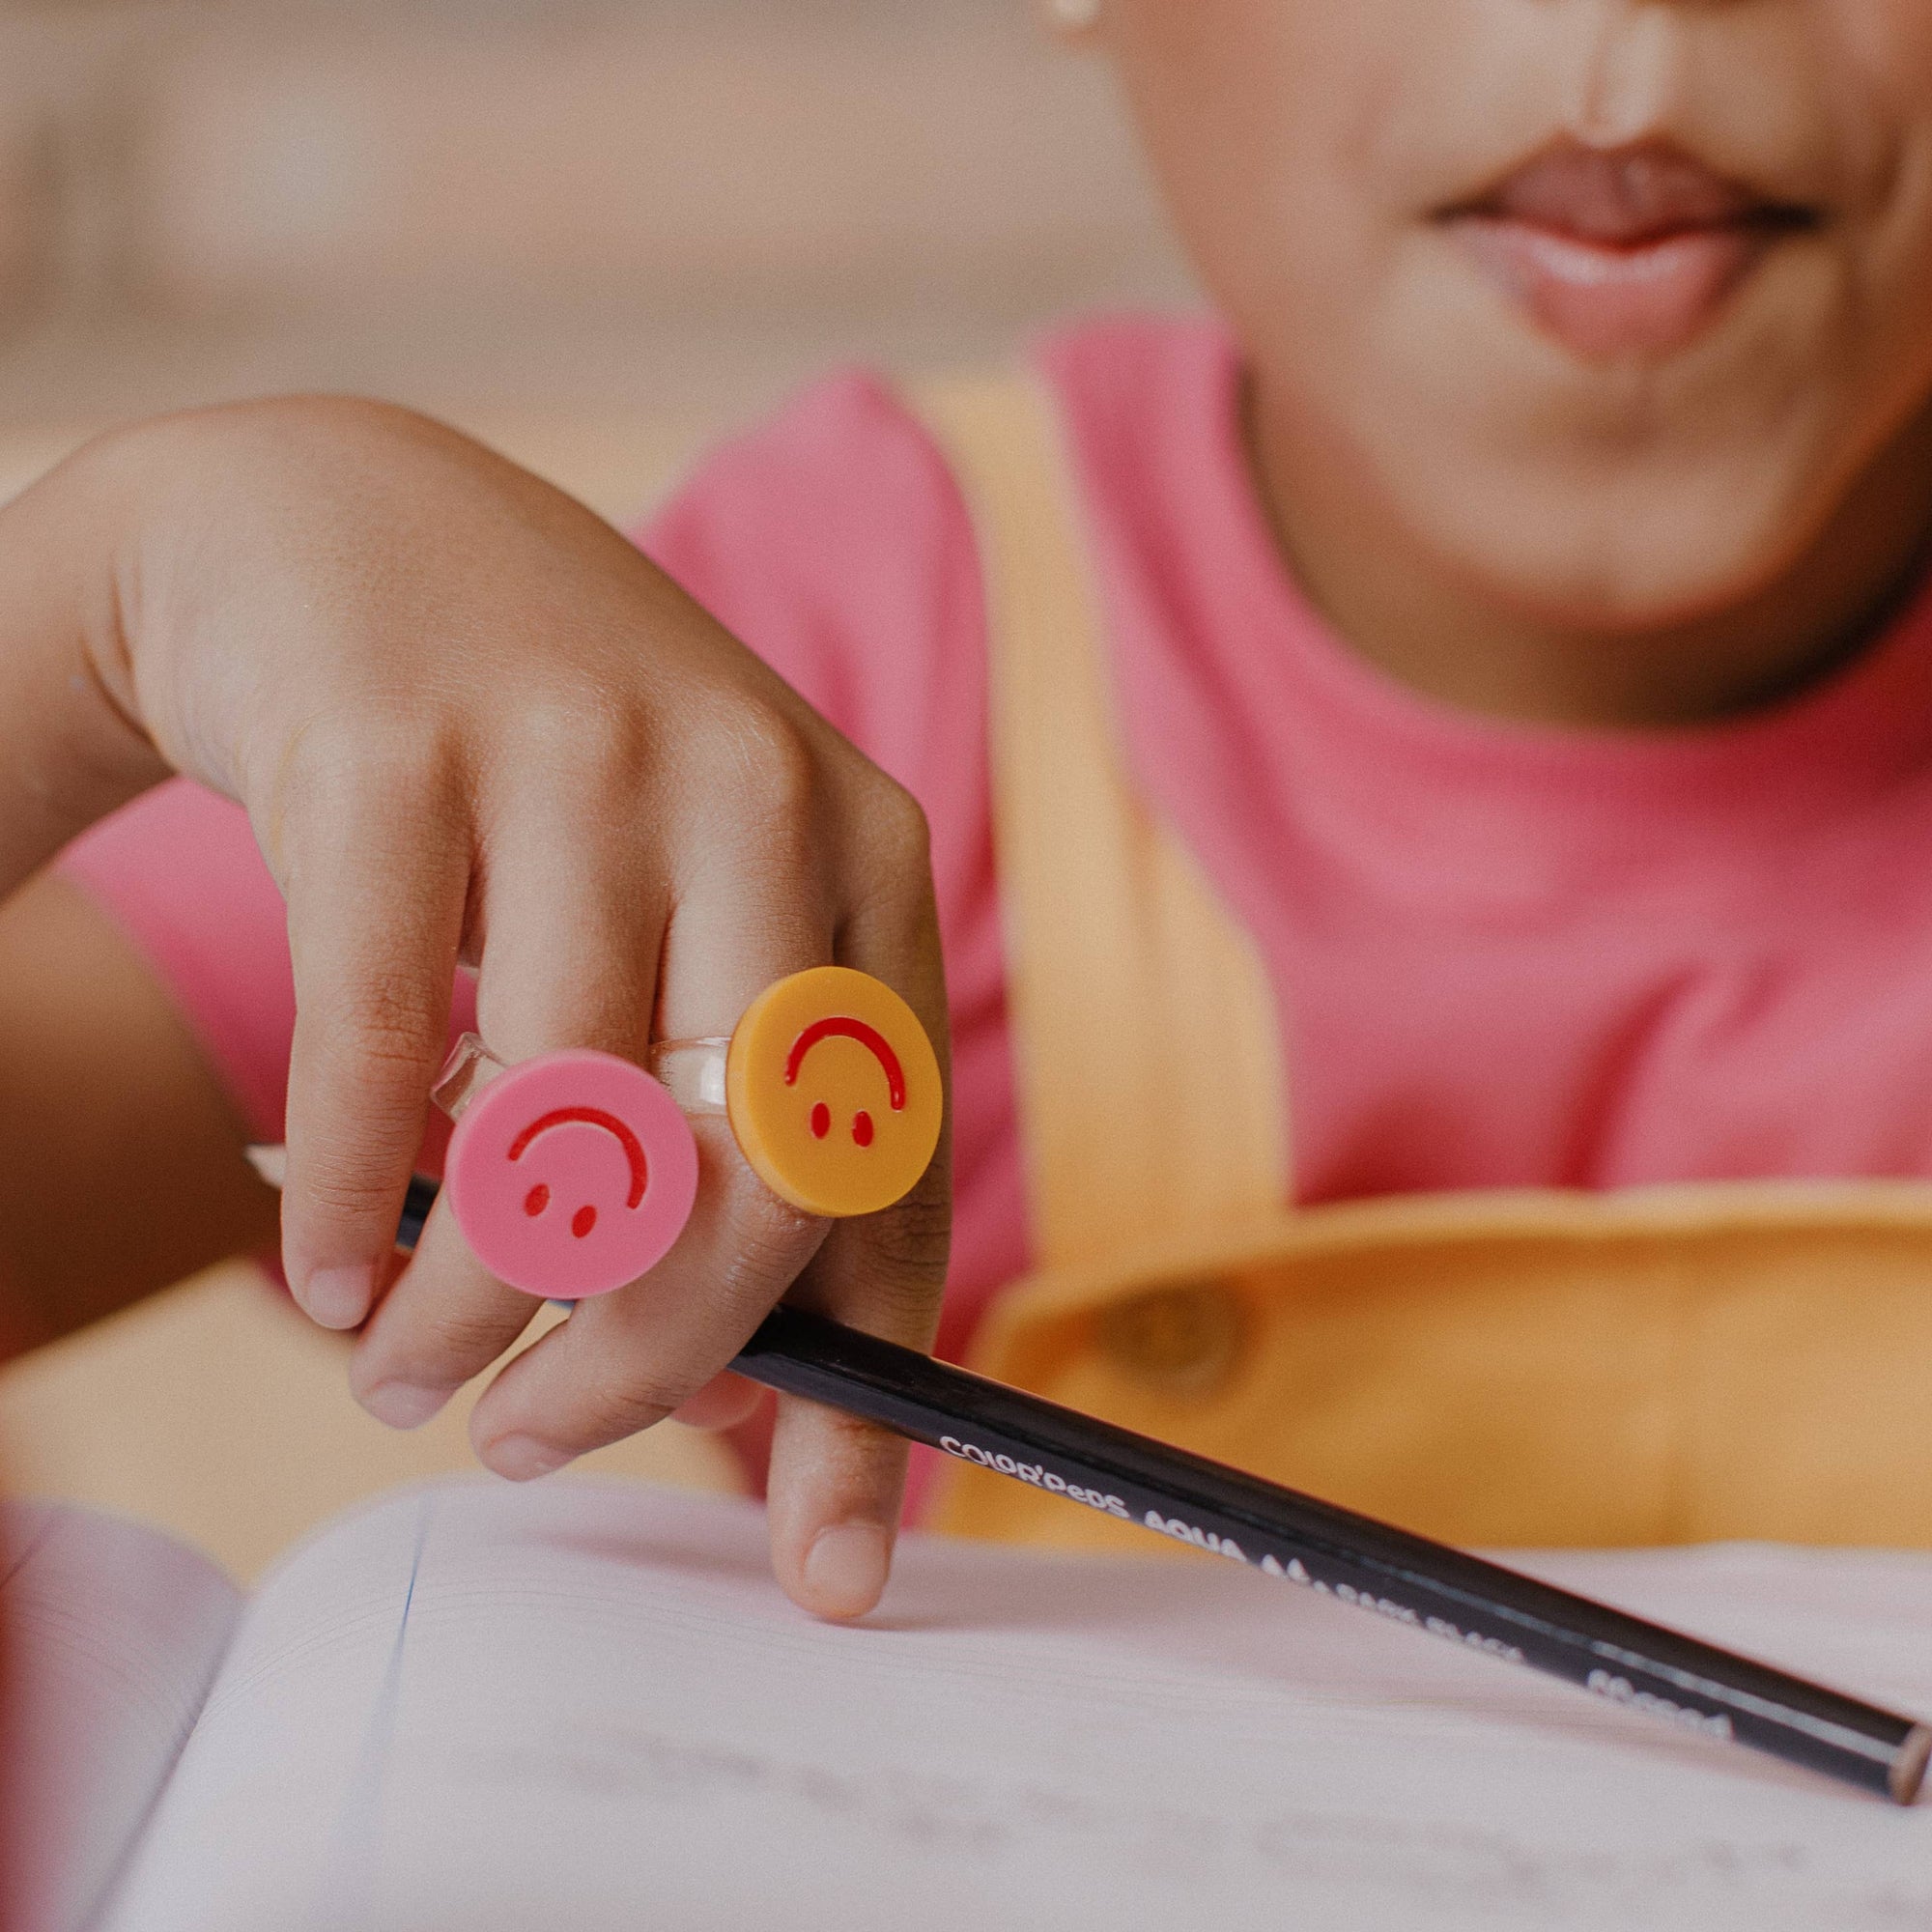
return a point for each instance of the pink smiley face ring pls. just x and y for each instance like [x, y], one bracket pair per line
[571, 1174]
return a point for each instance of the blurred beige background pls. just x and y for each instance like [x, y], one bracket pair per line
[589, 227]
[597, 234]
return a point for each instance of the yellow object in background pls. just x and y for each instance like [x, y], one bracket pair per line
[219, 1413]
[834, 1091]
[1691, 1363]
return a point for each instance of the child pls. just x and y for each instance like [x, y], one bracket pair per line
[1513, 604]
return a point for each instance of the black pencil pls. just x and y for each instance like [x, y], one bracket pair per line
[1406, 1578]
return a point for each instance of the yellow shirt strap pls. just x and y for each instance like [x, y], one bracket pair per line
[1150, 1087]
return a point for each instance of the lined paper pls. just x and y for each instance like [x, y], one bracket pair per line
[493, 1708]
[113, 1636]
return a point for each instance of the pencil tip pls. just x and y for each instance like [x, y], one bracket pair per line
[1908, 1770]
[271, 1164]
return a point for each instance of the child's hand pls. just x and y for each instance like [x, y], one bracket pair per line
[469, 720]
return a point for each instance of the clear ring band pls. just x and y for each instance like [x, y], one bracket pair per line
[691, 1070]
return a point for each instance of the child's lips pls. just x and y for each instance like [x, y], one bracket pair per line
[1607, 301]
[1621, 252]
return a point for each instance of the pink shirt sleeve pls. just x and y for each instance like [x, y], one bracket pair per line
[180, 872]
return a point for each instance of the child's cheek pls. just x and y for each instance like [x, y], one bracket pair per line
[1610, 453]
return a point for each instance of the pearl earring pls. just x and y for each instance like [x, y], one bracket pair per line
[1074, 17]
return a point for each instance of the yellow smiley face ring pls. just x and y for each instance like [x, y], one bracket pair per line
[834, 1091]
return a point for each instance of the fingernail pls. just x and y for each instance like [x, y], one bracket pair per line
[523, 1459]
[339, 1297]
[404, 1405]
[845, 1568]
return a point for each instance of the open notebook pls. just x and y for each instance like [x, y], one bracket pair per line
[586, 1706]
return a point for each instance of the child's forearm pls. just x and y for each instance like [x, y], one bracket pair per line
[69, 753]
[121, 1153]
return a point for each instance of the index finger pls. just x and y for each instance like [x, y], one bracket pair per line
[375, 885]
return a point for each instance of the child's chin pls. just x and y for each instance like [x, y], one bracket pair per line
[1619, 496]
[1618, 549]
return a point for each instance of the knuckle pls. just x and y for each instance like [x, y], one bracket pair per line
[895, 824]
[901, 1279]
[339, 1186]
[385, 1028]
[888, 838]
[359, 758]
[905, 1306]
[770, 1242]
[630, 1407]
[453, 1334]
[364, 780]
[338, 1193]
[775, 767]
[585, 729]
[913, 1243]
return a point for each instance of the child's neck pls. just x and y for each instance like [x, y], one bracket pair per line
[1413, 617]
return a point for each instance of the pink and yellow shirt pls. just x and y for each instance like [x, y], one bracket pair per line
[1504, 955]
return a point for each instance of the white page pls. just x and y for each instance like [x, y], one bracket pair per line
[112, 1636]
[596, 1712]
